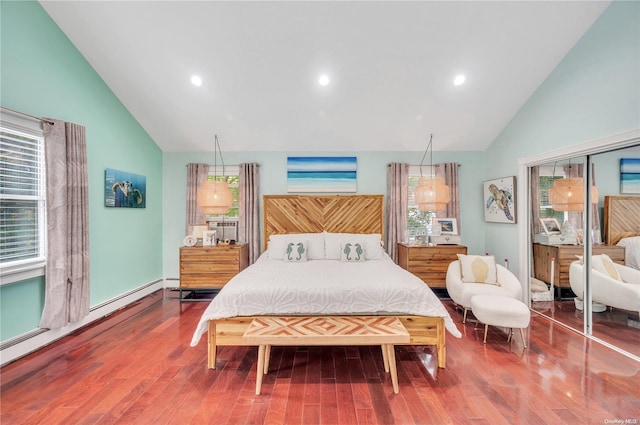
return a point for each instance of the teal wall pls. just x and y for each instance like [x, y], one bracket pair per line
[594, 92]
[43, 74]
[372, 179]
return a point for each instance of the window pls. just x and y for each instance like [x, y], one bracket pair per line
[231, 176]
[547, 176]
[22, 195]
[418, 222]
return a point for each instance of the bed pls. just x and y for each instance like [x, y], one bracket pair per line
[324, 286]
[622, 226]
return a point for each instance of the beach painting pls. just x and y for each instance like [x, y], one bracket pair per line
[629, 175]
[321, 174]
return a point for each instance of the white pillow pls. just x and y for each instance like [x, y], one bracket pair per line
[605, 265]
[296, 252]
[478, 269]
[278, 244]
[632, 251]
[352, 251]
[372, 244]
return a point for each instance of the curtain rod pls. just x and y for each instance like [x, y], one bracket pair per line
[213, 165]
[28, 115]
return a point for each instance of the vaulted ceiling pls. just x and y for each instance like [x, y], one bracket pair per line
[390, 68]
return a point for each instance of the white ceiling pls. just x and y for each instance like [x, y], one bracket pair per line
[391, 66]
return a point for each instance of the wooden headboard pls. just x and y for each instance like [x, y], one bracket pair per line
[312, 214]
[621, 218]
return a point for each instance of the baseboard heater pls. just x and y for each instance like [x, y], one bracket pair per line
[34, 333]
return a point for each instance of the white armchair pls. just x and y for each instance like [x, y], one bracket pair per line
[606, 290]
[462, 292]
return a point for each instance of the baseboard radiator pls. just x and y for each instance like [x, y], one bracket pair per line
[21, 345]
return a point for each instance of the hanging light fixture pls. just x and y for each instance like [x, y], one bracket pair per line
[431, 194]
[568, 194]
[214, 196]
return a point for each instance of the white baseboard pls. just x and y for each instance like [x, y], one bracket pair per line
[27, 343]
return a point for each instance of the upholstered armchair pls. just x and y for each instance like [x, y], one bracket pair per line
[624, 294]
[461, 292]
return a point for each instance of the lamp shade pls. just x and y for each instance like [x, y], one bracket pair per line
[214, 197]
[568, 194]
[431, 194]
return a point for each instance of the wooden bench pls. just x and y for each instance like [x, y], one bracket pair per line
[316, 330]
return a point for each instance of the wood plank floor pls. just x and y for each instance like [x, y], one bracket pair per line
[136, 367]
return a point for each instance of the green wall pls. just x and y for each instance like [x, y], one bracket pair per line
[594, 92]
[372, 179]
[43, 74]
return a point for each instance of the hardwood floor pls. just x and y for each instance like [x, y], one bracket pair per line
[136, 367]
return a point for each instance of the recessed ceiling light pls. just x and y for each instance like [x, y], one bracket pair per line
[196, 80]
[323, 80]
[459, 80]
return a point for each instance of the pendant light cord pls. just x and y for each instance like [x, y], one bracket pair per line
[425, 154]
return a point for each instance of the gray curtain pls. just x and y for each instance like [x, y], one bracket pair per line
[397, 202]
[249, 205]
[196, 175]
[576, 218]
[449, 171]
[67, 268]
[534, 178]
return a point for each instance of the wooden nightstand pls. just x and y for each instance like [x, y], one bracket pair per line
[210, 267]
[429, 263]
[565, 255]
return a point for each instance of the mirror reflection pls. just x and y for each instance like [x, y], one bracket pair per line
[558, 232]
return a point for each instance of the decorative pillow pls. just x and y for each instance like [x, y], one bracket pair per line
[478, 268]
[352, 251]
[296, 252]
[372, 244]
[605, 265]
[278, 244]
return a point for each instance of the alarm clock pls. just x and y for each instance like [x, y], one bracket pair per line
[190, 240]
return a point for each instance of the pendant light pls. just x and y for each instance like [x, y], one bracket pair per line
[214, 196]
[431, 194]
[568, 194]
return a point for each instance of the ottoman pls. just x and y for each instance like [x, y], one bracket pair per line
[497, 310]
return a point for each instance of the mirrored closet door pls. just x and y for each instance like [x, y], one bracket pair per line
[578, 246]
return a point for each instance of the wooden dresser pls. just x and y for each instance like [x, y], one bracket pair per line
[211, 267]
[429, 263]
[565, 255]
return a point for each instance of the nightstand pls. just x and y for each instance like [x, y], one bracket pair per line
[429, 263]
[210, 267]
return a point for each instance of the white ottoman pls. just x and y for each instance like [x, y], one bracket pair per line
[496, 310]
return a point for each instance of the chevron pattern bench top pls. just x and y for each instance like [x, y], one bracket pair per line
[337, 330]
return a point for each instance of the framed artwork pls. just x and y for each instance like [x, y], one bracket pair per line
[326, 174]
[124, 190]
[630, 175]
[209, 238]
[550, 226]
[448, 226]
[500, 200]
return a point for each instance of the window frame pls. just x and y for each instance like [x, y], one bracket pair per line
[14, 271]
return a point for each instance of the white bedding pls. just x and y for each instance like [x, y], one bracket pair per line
[631, 251]
[324, 287]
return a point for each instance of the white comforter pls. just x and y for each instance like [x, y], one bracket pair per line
[324, 287]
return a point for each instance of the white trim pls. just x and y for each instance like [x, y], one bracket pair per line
[22, 270]
[41, 338]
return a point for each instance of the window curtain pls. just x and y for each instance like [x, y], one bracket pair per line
[196, 175]
[67, 268]
[397, 203]
[449, 171]
[249, 193]
[576, 218]
[534, 178]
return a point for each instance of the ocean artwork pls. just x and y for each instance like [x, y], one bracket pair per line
[326, 174]
[124, 190]
[629, 175]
